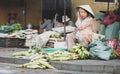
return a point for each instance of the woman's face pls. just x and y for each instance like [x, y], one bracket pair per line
[83, 13]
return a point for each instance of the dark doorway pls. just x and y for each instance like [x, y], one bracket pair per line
[50, 7]
[105, 1]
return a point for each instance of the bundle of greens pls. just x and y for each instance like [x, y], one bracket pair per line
[35, 49]
[80, 51]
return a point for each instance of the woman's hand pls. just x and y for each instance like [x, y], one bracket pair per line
[82, 27]
[88, 38]
[76, 29]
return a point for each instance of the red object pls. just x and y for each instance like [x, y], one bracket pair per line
[110, 18]
[112, 43]
[118, 50]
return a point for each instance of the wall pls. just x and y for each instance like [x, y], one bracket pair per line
[33, 11]
[7, 7]
[95, 6]
[33, 15]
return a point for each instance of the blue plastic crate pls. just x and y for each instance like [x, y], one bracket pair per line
[50, 50]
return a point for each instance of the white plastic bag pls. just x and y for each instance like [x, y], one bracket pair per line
[60, 44]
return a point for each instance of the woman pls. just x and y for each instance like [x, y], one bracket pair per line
[83, 31]
[46, 25]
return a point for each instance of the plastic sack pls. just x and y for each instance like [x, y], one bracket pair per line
[98, 37]
[102, 29]
[100, 50]
[111, 31]
[119, 35]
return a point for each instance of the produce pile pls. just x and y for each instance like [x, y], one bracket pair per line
[62, 56]
[114, 54]
[12, 28]
[42, 59]
[80, 51]
[35, 49]
[56, 35]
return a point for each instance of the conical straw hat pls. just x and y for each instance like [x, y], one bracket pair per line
[87, 8]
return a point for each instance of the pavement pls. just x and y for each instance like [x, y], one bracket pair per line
[7, 68]
[8, 65]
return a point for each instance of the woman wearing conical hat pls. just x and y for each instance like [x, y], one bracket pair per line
[83, 31]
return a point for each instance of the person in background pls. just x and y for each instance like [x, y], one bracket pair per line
[83, 31]
[57, 20]
[46, 25]
[58, 23]
[56, 17]
[12, 18]
[68, 22]
[11, 21]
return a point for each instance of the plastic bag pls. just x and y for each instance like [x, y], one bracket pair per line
[119, 35]
[111, 31]
[100, 50]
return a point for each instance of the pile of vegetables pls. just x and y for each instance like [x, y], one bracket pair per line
[62, 56]
[56, 35]
[12, 28]
[40, 61]
[5, 29]
[37, 64]
[35, 49]
[41, 58]
[16, 27]
[80, 51]
[114, 54]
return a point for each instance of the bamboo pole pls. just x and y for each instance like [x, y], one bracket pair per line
[25, 12]
[108, 6]
[64, 20]
[41, 9]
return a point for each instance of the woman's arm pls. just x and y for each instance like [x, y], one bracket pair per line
[88, 24]
[84, 26]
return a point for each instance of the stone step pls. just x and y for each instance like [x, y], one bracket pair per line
[117, 71]
[13, 60]
[78, 66]
[7, 68]
[77, 72]
[88, 66]
[6, 55]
